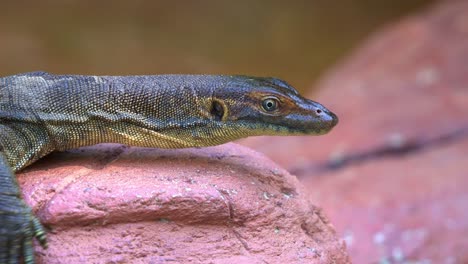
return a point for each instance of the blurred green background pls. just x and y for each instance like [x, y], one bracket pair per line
[293, 40]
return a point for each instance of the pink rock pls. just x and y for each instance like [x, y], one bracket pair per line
[411, 208]
[402, 98]
[226, 204]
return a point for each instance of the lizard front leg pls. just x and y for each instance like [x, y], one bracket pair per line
[18, 226]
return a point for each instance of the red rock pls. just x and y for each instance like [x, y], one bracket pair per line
[412, 208]
[226, 204]
[402, 99]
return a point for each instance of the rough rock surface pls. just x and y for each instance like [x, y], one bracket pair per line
[226, 204]
[393, 174]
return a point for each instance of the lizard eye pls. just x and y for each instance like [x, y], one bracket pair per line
[270, 104]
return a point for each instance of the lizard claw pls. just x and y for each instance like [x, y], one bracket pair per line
[19, 228]
[39, 232]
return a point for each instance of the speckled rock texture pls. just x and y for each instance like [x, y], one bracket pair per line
[227, 204]
[393, 175]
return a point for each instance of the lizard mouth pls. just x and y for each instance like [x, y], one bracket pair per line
[318, 123]
[285, 129]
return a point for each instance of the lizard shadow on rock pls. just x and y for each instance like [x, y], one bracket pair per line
[99, 156]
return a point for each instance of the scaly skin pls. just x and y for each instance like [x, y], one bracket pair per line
[41, 113]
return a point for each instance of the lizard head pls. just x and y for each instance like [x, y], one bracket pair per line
[269, 106]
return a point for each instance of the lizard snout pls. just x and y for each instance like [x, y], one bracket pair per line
[326, 115]
[324, 119]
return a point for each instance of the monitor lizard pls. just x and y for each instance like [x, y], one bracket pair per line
[42, 112]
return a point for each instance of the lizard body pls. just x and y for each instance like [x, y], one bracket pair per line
[41, 113]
